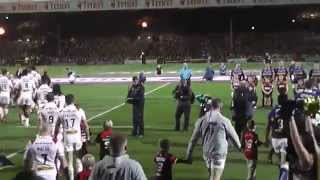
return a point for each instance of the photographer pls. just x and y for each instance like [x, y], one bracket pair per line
[205, 103]
[302, 143]
[185, 97]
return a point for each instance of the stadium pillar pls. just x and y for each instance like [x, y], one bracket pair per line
[59, 39]
[231, 36]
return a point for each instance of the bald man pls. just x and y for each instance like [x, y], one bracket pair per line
[118, 166]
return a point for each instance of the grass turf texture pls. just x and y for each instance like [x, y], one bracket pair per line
[159, 118]
[102, 70]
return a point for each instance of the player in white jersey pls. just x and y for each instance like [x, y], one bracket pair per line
[35, 76]
[5, 91]
[41, 93]
[84, 138]
[71, 120]
[42, 154]
[25, 88]
[59, 98]
[49, 114]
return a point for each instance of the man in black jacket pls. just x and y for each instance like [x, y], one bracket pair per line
[136, 98]
[243, 109]
[185, 97]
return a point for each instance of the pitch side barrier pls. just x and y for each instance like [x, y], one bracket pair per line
[35, 6]
[110, 80]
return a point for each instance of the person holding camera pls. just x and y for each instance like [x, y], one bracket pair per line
[136, 98]
[303, 149]
[185, 97]
[215, 130]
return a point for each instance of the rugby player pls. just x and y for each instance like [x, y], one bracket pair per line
[5, 91]
[25, 90]
[71, 119]
[41, 93]
[42, 154]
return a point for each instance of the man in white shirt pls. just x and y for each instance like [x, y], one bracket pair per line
[49, 114]
[42, 154]
[25, 88]
[41, 93]
[5, 91]
[71, 119]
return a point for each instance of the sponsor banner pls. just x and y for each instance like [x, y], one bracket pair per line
[26, 6]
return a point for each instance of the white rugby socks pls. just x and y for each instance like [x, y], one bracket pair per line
[70, 165]
[79, 167]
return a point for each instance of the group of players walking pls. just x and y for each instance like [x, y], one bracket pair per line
[277, 130]
[63, 125]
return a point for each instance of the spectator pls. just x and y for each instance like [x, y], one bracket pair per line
[103, 138]
[209, 73]
[88, 162]
[118, 166]
[186, 73]
[303, 149]
[159, 70]
[223, 69]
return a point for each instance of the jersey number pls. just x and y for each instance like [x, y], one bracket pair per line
[50, 119]
[44, 158]
[71, 124]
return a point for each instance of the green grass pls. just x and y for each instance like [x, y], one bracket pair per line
[102, 70]
[159, 117]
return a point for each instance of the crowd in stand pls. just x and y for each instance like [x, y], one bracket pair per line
[163, 46]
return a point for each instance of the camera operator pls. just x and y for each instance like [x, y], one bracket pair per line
[242, 108]
[185, 97]
[302, 144]
[205, 103]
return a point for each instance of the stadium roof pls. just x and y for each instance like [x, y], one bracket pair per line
[31, 6]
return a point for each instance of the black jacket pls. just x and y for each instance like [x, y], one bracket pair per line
[136, 94]
[183, 94]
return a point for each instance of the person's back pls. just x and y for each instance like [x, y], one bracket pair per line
[215, 130]
[214, 136]
[117, 168]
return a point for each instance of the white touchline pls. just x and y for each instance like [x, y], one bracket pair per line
[122, 104]
[102, 113]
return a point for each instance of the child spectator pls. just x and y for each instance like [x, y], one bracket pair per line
[164, 161]
[103, 139]
[88, 162]
[250, 143]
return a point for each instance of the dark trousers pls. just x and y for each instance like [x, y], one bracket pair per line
[138, 122]
[183, 108]
[240, 124]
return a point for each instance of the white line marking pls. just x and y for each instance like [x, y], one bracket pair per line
[122, 104]
[100, 114]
